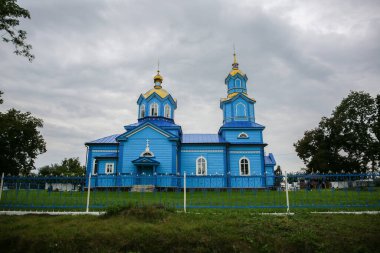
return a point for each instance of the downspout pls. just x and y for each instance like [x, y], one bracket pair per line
[86, 159]
[228, 165]
[264, 169]
[85, 173]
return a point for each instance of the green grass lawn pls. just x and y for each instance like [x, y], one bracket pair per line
[153, 229]
[253, 199]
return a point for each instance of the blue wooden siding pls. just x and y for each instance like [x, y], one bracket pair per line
[213, 154]
[102, 165]
[253, 135]
[234, 86]
[270, 175]
[96, 150]
[255, 156]
[159, 145]
[233, 110]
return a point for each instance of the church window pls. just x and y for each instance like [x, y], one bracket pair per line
[109, 168]
[167, 111]
[243, 135]
[241, 110]
[244, 166]
[142, 111]
[96, 167]
[238, 83]
[154, 109]
[201, 166]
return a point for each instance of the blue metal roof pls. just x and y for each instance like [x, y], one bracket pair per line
[247, 143]
[269, 159]
[105, 140]
[158, 121]
[238, 124]
[146, 161]
[202, 138]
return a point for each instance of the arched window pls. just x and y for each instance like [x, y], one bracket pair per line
[142, 111]
[154, 109]
[244, 166]
[241, 110]
[167, 111]
[147, 154]
[243, 135]
[201, 166]
[238, 83]
[96, 167]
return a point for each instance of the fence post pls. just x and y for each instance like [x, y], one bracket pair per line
[184, 191]
[1, 185]
[287, 192]
[88, 192]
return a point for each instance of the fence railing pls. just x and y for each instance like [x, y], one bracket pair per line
[283, 193]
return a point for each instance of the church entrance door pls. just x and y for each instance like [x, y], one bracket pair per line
[145, 175]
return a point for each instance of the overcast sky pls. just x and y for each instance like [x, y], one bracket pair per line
[94, 59]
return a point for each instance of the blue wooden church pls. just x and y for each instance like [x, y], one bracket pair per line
[154, 151]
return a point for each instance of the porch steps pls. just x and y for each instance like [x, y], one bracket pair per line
[142, 188]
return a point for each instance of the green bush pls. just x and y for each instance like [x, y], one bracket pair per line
[155, 212]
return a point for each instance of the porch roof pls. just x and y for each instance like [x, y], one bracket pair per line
[146, 161]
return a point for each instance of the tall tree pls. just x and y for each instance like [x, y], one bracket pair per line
[10, 13]
[20, 142]
[347, 140]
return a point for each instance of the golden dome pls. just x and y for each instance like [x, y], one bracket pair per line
[158, 77]
[158, 90]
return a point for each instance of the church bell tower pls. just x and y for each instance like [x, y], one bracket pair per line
[237, 106]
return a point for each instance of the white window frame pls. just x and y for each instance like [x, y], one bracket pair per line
[142, 109]
[249, 166]
[236, 110]
[152, 107]
[167, 111]
[112, 165]
[197, 166]
[237, 80]
[243, 137]
[93, 166]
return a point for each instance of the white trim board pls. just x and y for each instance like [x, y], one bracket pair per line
[244, 152]
[164, 134]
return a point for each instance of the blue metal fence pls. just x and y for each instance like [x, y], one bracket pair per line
[311, 191]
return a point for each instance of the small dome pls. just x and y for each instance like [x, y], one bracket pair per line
[158, 77]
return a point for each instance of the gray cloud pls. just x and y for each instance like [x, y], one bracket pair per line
[94, 58]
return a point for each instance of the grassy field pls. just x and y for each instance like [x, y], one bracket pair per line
[155, 229]
[253, 199]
